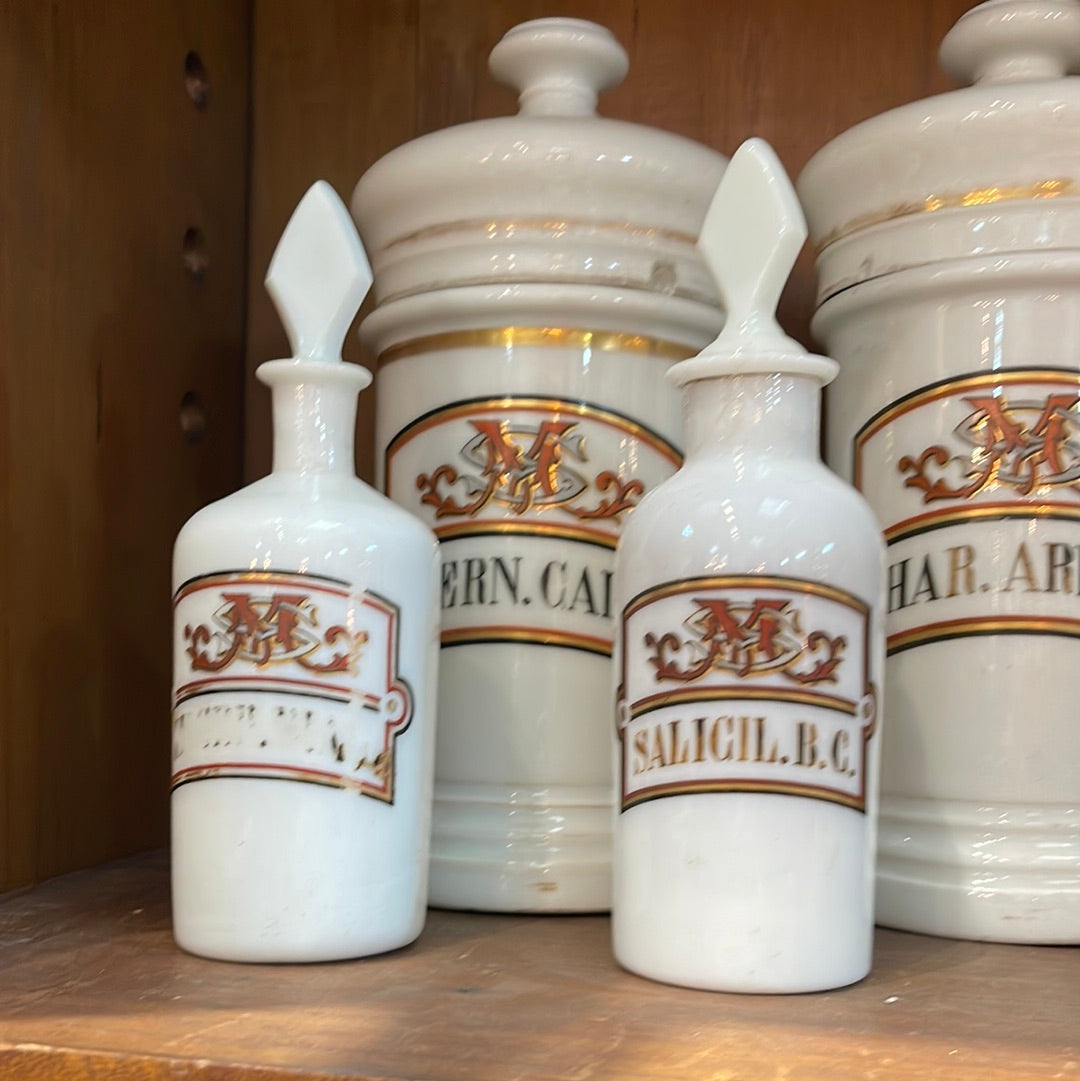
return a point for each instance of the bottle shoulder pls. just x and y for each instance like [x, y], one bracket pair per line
[344, 501]
[283, 514]
[798, 519]
[752, 489]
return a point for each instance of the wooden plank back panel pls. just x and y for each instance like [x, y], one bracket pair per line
[122, 241]
[333, 89]
[794, 73]
[456, 36]
[337, 89]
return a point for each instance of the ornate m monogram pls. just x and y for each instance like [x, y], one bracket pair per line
[1021, 445]
[521, 468]
[271, 630]
[753, 638]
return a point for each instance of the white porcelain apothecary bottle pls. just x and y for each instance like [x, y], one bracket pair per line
[305, 662]
[748, 655]
[949, 290]
[535, 275]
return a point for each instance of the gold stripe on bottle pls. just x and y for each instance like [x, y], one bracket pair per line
[683, 788]
[1041, 189]
[756, 582]
[966, 628]
[955, 388]
[540, 636]
[643, 706]
[597, 341]
[555, 406]
[939, 519]
[556, 227]
[486, 527]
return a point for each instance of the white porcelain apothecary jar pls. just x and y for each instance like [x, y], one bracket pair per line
[748, 653]
[949, 289]
[305, 654]
[535, 276]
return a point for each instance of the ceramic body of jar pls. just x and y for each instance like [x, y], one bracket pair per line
[949, 236]
[535, 277]
[304, 693]
[749, 659]
[740, 782]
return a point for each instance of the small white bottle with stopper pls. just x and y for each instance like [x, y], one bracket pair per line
[304, 662]
[749, 654]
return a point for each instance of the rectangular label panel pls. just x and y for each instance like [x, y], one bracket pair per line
[745, 683]
[285, 675]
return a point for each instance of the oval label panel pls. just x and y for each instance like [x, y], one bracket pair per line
[976, 481]
[527, 496]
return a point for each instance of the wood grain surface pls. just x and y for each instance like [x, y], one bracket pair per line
[122, 264]
[91, 985]
[337, 89]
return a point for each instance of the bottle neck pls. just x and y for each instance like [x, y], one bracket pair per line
[775, 413]
[314, 406]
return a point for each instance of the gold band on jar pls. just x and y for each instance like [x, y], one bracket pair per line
[598, 341]
[1041, 189]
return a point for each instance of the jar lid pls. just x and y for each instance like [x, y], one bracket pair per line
[553, 195]
[988, 169]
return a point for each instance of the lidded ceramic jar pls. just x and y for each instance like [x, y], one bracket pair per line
[949, 290]
[535, 276]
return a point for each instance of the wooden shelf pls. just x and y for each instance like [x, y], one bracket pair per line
[92, 986]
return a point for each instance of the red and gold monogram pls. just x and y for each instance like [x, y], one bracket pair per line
[528, 466]
[755, 637]
[976, 481]
[272, 629]
[522, 467]
[1023, 444]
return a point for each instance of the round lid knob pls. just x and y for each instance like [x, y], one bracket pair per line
[1008, 41]
[554, 196]
[558, 66]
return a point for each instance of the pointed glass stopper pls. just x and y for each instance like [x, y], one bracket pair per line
[319, 275]
[753, 232]
[751, 236]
